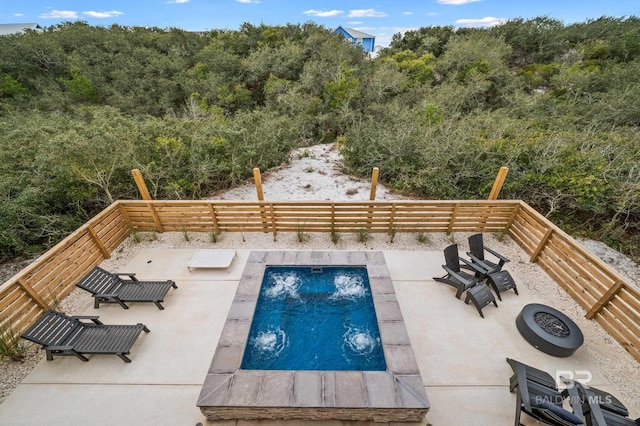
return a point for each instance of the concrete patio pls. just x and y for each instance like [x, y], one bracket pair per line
[461, 356]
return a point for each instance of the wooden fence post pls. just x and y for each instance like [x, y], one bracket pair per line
[96, 239]
[374, 183]
[142, 187]
[541, 244]
[453, 218]
[258, 180]
[497, 184]
[33, 294]
[606, 297]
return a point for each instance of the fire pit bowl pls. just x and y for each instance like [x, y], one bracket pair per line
[549, 330]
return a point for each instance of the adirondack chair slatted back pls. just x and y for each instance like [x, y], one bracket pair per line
[476, 246]
[451, 257]
[99, 281]
[52, 328]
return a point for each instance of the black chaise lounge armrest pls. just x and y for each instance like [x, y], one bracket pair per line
[131, 275]
[107, 296]
[93, 318]
[58, 348]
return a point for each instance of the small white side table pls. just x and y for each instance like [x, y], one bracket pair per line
[211, 259]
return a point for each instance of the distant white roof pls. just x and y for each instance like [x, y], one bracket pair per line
[357, 34]
[6, 29]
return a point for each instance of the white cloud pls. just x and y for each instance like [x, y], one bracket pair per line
[432, 14]
[324, 13]
[56, 14]
[488, 21]
[177, 1]
[456, 2]
[407, 13]
[366, 13]
[247, 1]
[18, 14]
[385, 34]
[93, 14]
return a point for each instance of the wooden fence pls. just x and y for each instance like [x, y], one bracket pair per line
[52, 276]
[598, 289]
[601, 291]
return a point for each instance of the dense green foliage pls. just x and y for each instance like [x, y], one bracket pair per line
[439, 112]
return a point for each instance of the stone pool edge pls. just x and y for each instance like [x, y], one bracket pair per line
[396, 394]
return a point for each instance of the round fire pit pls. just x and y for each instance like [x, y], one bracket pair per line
[549, 330]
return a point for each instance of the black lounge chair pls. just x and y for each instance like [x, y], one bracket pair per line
[455, 276]
[107, 287]
[476, 253]
[603, 409]
[539, 397]
[62, 335]
[477, 292]
[499, 279]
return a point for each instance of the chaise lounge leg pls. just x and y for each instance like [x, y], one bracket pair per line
[108, 299]
[124, 357]
[79, 355]
[158, 304]
[121, 303]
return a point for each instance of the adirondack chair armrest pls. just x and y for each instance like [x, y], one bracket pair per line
[486, 268]
[496, 254]
[466, 282]
[131, 275]
[595, 411]
[478, 268]
[571, 392]
[93, 318]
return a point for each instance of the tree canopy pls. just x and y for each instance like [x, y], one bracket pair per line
[439, 112]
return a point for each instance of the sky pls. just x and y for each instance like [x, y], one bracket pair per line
[381, 18]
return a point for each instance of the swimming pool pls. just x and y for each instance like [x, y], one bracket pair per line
[314, 318]
[395, 394]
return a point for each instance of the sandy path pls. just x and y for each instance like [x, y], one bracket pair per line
[315, 173]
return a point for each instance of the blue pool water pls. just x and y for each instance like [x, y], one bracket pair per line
[314, 318]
